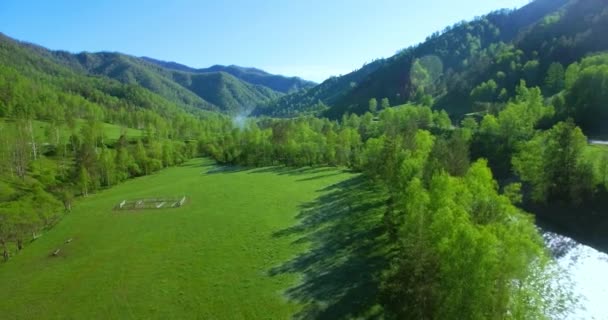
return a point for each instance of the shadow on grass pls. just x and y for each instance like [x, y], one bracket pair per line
[340, 272]
[280, 170]
[215, 169]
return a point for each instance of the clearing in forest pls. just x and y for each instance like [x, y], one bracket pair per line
[264, 243]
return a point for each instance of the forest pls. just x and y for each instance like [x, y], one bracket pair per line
[490, 123]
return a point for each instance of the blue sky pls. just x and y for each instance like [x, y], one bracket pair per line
[312, 39]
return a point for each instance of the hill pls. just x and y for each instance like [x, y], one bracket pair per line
[503, 46]
[215, 89]
[251, 75]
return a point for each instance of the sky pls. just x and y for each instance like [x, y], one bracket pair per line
[312, 39]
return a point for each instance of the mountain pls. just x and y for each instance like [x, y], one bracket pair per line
[251, 75]
[227, 89]
[316, 99]
[212, 90]
[496, 51]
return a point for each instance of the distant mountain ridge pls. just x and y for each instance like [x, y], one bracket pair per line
[255, 76]
[226, 89]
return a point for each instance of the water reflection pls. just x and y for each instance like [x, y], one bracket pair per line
[588, 269]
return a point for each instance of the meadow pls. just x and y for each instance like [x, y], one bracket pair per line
[264, 243]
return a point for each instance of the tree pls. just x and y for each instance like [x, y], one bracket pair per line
[531, 72]
[107, 166]
[384, 104]
[373, 105]
[84, 181]
[485, 92]
[554, 165]
[501, 260]
[587, 99]
[555, 79]
[141, 157]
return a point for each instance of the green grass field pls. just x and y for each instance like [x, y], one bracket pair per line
[265, 243]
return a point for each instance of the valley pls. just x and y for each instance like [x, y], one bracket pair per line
[463, 176]
[220, 255]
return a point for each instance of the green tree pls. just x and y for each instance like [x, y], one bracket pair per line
[554, 165]
[555, 79]
[384, 104]
[485, 92]
[501, 260]
[373, 105]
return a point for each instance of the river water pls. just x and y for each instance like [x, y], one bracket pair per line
[602, 142]
[588, 270]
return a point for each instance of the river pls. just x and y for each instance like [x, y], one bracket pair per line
[600, 142]
[588, 270]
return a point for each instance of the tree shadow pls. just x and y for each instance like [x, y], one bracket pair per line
[340, 273]
[586, 223]
[284, 170]
[279, 170]
[217, 169]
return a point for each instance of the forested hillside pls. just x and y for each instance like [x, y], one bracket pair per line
[252, 75]
[454, 69]
[225, 89]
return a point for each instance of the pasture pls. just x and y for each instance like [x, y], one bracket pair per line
[265, 243]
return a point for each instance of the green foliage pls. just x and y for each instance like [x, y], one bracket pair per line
[485, 92]
[458, 248]
[228, 89]
[505, 46]
[373, 105]
[531, 72]
[499, 135]
[500, 255]
[554, 165]
[555, 79]
[384, 104]
[587, 94]
[250, 75]
[597, 157]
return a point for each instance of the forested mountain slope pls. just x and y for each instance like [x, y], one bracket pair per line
[504, 46]
[316, 99]
[214, 90]
[251, 75]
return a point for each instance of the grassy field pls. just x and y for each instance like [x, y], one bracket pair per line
[265, 243]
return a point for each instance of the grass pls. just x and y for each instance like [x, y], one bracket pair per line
[266, 243]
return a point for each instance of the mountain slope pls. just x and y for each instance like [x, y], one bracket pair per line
[316, 99]
[34, 85]
[251, 75]
[211, 90]
[504, 46]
